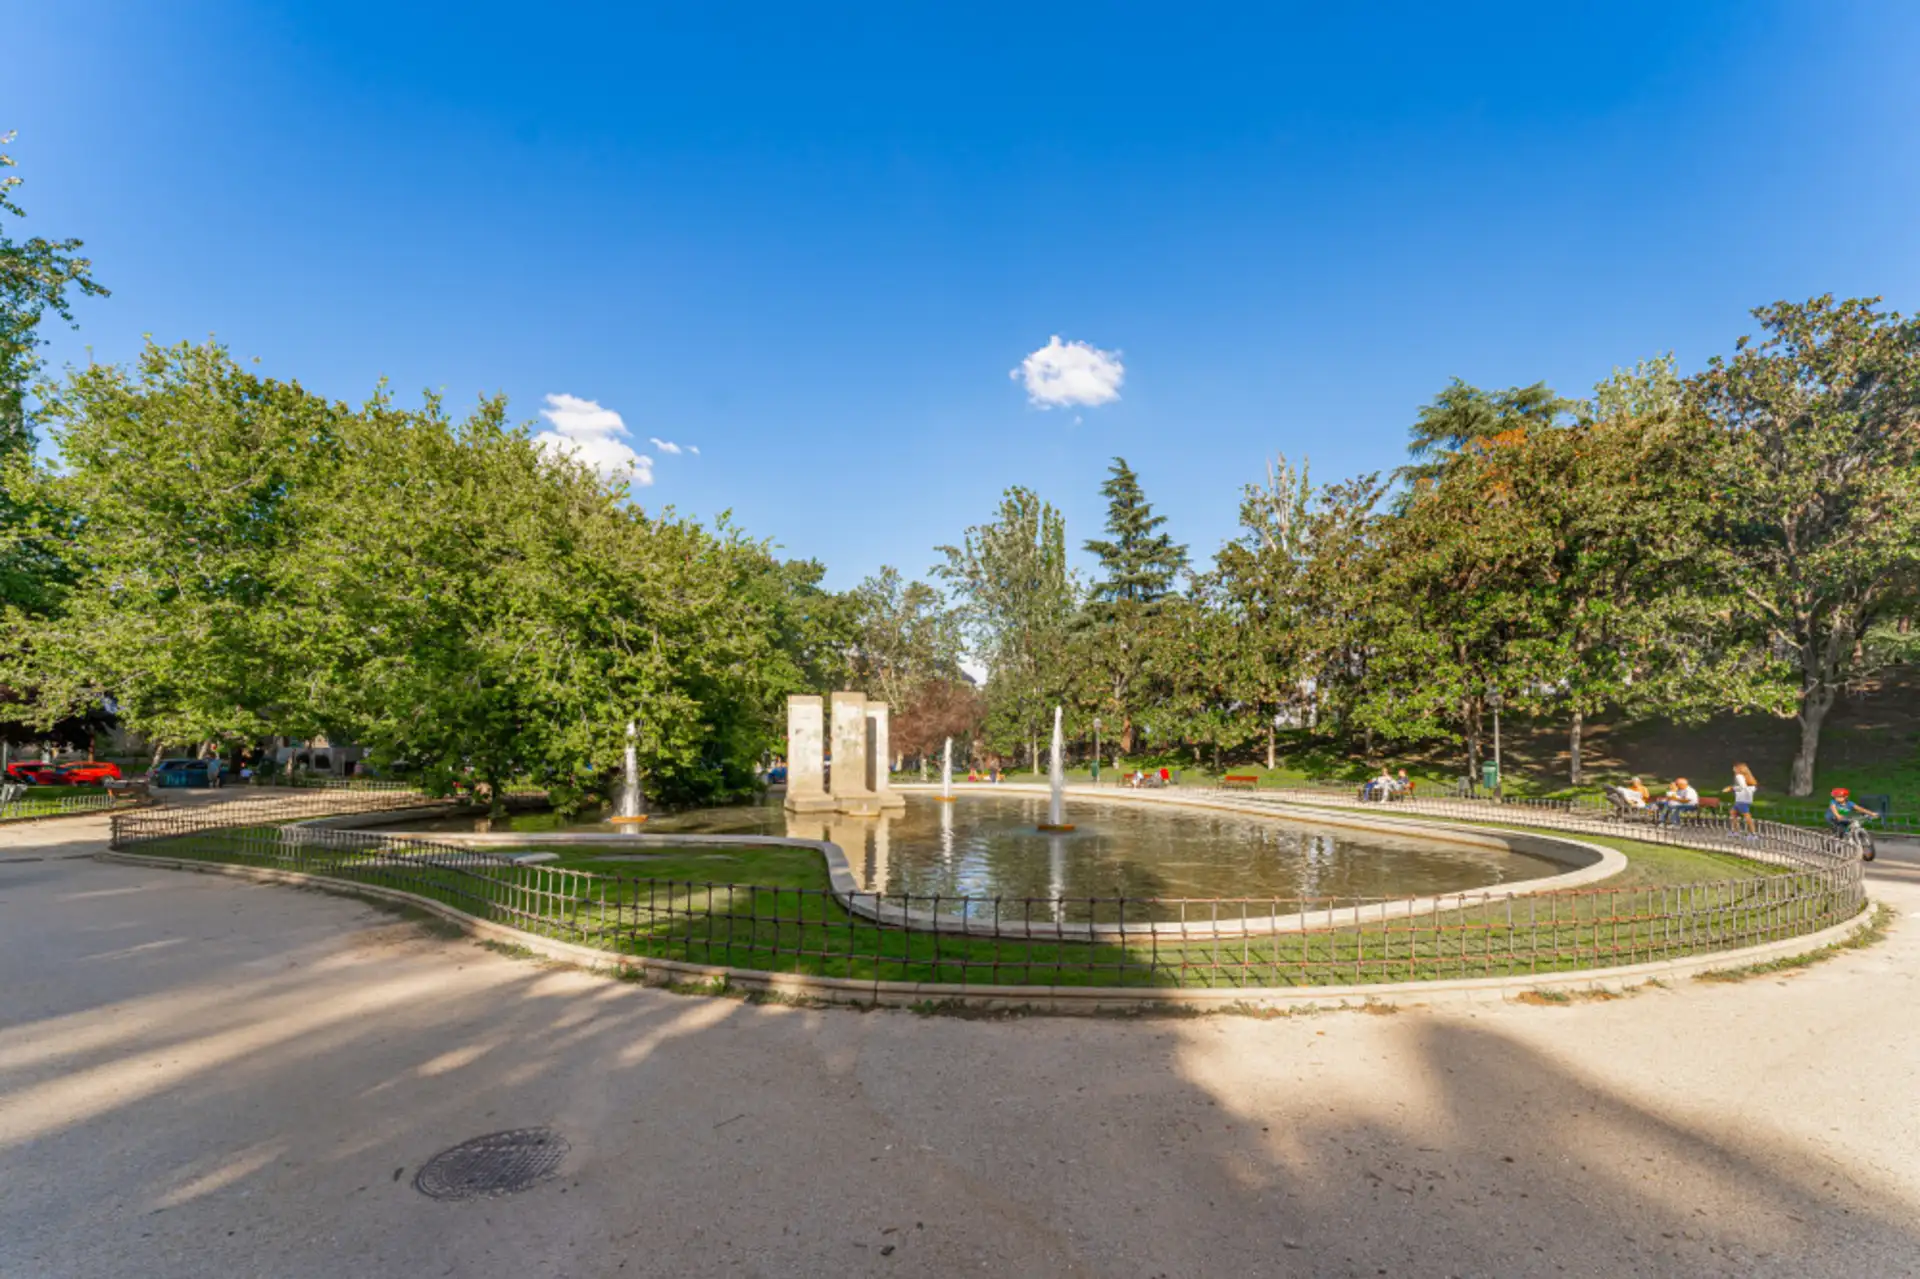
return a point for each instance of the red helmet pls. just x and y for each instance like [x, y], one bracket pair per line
[1839, 792]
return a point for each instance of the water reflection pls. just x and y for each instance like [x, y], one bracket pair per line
[988, 845]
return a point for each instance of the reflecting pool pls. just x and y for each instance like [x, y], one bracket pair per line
[987, 845]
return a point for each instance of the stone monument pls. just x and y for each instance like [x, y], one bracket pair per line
[848, 778]
[806, 791]
[880, 760]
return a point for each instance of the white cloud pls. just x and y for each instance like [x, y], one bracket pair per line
[595, 436]
[665, 446]
[694, 449]
[1062, 373]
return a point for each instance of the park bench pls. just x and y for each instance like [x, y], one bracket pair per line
[128, 788]
[1239, 781]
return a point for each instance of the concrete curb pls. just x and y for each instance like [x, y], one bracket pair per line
[1048, 999]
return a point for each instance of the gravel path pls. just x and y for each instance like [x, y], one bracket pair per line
[200, 1076]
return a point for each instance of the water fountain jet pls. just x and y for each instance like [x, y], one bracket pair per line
[946, 774]
[628, 809]
[1057, 782]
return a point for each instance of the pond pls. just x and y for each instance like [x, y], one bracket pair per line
[986, 845]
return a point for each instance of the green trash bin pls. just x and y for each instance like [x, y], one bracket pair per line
[1489, 775]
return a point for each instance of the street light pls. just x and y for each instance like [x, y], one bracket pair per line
[1495, 702]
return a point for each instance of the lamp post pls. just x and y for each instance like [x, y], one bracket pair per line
[1096, 750]
[1499, 779]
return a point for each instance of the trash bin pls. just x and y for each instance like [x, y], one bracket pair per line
[1489, 775]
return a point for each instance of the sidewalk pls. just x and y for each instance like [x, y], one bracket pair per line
[203, 1076]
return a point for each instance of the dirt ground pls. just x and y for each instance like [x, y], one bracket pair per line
[200, 1076]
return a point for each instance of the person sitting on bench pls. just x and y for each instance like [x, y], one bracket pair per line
[1679, 800]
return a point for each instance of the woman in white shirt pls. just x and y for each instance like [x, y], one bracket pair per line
[1743, 789]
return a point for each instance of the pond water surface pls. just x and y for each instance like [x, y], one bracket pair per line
[986, 845]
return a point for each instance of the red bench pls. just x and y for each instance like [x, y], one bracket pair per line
[1239, 781]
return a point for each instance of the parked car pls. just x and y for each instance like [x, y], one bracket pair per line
[188, 772]
[31, 771]
[86, 773]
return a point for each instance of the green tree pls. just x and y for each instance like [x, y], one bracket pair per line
[36, 276]
[1818, 514]
[1138, 565]
[481, 608]
[1015, 596]
[905, 636]
[253, 561]
[1260, 576]
[1463, 416]
[1650, 389]
[178, 499]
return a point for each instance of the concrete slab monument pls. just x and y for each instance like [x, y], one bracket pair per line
[806, 786]
[848, 779]
[880, 760]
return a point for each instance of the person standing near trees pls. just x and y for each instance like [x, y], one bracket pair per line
[1743, 789]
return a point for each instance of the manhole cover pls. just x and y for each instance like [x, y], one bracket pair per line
[496, 1164]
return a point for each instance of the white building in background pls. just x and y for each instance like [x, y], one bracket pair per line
[320, 755]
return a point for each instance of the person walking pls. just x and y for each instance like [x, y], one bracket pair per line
[1743, 789]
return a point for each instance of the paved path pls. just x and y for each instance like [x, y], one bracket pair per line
[200, 1076]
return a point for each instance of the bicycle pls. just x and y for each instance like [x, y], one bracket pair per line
[1855, 836]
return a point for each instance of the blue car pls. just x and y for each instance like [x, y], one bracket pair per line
[188, 772]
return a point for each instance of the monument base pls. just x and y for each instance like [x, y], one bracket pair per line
[892, 801]
[857, 803]
[809, 803]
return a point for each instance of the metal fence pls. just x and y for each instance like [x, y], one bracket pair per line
[962, 941]
[1771, 842]
[37, 803]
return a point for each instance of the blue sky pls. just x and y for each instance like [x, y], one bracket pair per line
[815, 247]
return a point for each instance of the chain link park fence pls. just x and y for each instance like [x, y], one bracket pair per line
[1806, 883]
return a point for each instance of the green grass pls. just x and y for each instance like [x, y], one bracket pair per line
[783, 920]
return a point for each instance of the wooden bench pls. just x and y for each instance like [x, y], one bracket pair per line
[1239, 781]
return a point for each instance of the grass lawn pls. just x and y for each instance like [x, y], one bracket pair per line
[768, 909]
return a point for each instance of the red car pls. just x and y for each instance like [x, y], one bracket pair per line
[86, 773]
[31, 771]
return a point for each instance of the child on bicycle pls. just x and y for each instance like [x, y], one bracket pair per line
[1843, 812]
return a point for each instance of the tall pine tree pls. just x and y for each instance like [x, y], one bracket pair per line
[1138, 563]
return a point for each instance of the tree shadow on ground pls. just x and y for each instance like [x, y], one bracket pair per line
[260, 1104]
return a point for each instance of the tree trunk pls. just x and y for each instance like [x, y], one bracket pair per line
[1269, 746]
[1575, 773]
[1814, 706]
[1470, 713]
